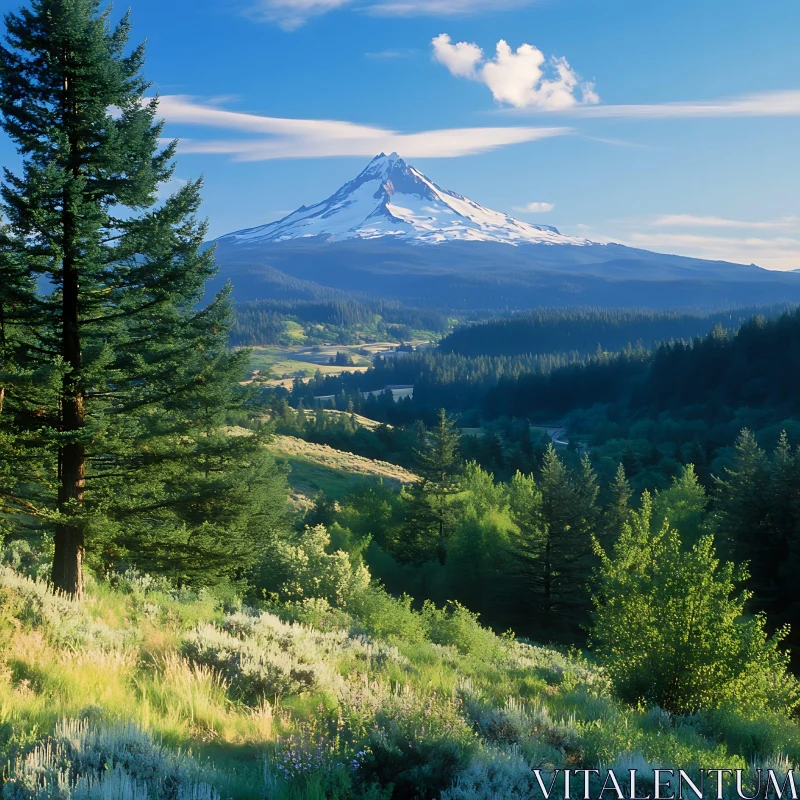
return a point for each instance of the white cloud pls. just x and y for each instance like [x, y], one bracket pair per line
[522, 78]
[534, 208]
[724, 241]
[441, 8]
[390, 55]
[784, 103]
[310, 138]
[780, 253]
[291, 14]
[691, 221]
[461, 59]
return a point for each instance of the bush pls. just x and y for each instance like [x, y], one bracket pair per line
[458, 627]
[261, 656]
[417, 748]
[308, 570]
[672, 633]
[491, 775]
[253, 670]
[388, 617]
[119, 763]
[34, 604]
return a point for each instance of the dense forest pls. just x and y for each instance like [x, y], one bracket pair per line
[342, 320]
[550, 330]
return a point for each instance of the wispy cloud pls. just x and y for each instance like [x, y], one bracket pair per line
[711, 237]
[781, 253]
[278, 137]
[522, 78]
[785, 103]
[391, 55]
[691, 221]
[291, 14]
[534, 208]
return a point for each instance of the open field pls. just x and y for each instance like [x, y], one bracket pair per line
[284, 364]
[319, 468]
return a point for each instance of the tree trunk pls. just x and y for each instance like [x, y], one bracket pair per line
[69, 539]
[67, 572]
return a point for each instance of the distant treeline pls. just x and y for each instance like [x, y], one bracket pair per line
[440, 380]
[757, 366]
[263, 321]
[553, 330]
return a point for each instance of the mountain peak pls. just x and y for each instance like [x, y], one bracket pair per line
[390, 198]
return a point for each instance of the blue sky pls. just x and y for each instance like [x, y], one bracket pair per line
[671, 126]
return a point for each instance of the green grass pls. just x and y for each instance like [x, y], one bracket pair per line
[147, 678]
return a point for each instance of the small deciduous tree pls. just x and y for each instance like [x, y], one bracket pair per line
[671, 630]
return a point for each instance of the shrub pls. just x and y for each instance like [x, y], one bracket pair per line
[261, 656]
[121, 762]
[254, 670]
[308, 570]
[388, 617]
[418, 748]
[457, 626]
[65, 621]
[494, 774]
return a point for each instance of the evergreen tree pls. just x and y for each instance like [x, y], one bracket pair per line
[116, 386]
[553, 550]
[742, 509]
[431, 512]
[618, 510]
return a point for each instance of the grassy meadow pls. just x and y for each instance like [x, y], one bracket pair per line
[318, 468]
[147, 691]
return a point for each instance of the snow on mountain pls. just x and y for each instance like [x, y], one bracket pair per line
[392, 199]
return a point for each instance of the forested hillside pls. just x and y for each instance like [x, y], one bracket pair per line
[709, 378]
[562, 330]
[344, 319]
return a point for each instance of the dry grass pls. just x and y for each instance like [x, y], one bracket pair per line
[318, 468]
[325, 456]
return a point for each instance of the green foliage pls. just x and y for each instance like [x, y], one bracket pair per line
[683, 505]
[671, 629]
[458, 627]
[307, 570]
[418, 751]
[431, 514]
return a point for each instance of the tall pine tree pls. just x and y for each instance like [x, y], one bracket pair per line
[556, 518]
[117, 387]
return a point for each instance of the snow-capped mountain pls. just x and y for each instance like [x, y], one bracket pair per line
[393, 233]
[392, 199]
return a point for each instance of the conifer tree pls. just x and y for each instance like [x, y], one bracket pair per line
[742, 505]
[430, 512]
[117, 387]
[556, 517]
[618, 509]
